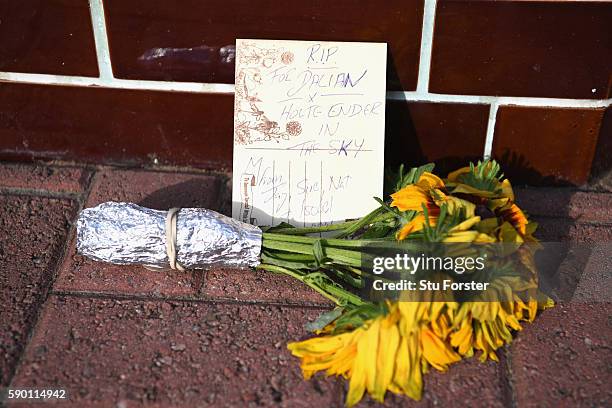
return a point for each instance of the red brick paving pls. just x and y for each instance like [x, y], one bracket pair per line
[564, 359]
[468, 383]
[218, 338]
[595, 284]
[565, 203]
[159, 190]
[38, 177]
[32, 235]
[260, 286]
[172, 354]
[560, 229]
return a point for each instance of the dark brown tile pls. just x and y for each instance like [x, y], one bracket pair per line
[546, 145]
[522, 48]
[150, 189]
[47, 37]
[38, 177]
[448, 134]
[32, 235]
[113, 125]
[194, 41]
[134, 353]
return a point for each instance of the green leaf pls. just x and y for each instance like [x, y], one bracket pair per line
[324, 284]
[485, 175]
[344, 274]
[412, 176]
[324, 319]
[377, 231]
[281, 226]
[357, 316]
[318, 252]
[444, 223]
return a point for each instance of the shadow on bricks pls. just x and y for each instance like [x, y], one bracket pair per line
[182, 195]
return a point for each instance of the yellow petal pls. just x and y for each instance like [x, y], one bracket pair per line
[466, 225]
[414, 225]
[411, 197]
[387, 349]
[507, 233]
[467, 189]
[369, 346]
[487, 226]
[357, 383]
[462, 339]
[437, 352]
[319, 345]
[455, 204]
[507, 189]
[454, 176]
[462, 236]
[430, 181]
[408, 375]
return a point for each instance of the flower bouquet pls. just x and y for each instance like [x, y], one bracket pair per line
[377, 345]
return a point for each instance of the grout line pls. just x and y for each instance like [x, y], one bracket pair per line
[48, 79]
[488, 145]
[507, 377]
[96, 9]
[500, 100]
[201, 300]
[216, 88]
[429, 16]
[36, 192]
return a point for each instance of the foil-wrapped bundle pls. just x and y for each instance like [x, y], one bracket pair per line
[186, 238]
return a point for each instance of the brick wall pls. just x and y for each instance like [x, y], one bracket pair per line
[147, 82]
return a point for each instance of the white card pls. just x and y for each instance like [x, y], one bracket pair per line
[309, 123]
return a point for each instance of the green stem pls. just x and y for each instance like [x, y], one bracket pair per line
[351, 258]
[327, 242]
[310, 240]
[311, 230]
[344, 275]
[378, 214]
[346, 296]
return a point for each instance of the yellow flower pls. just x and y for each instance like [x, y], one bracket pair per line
[454, 175]
[456, 183]
[508, 211]
[414, 225]
[437, 352]
[413, 196]
[426, 191]
[392, 351]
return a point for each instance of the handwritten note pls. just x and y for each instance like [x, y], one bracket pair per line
[309, 121]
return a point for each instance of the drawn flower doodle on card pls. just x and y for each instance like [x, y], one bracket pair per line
[251, 124]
